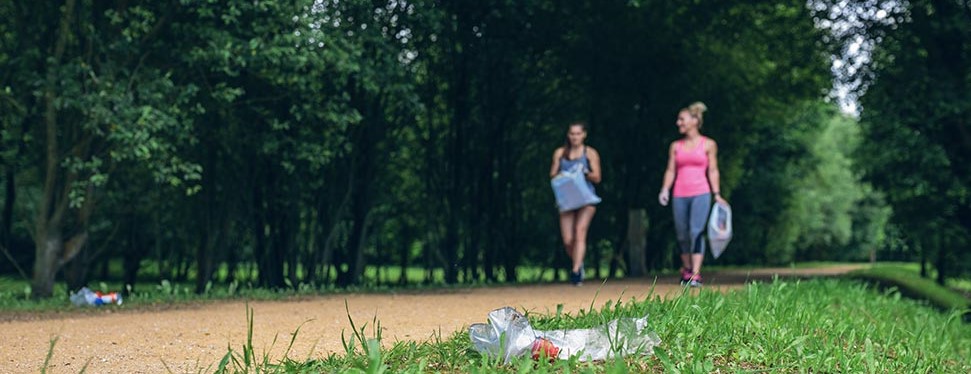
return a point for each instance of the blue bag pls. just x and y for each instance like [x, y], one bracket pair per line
[572, 190]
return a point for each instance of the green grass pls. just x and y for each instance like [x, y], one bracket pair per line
[791, 265]
[962, 285]
[908, 280]
[913, 269]
[824, 325]
[15, 293]
[152, 294]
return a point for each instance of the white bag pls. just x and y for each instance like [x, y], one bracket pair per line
[509, 334]
[719, 228]
[572, 190]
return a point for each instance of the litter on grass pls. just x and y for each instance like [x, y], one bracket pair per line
[86, 297]
[509, 334]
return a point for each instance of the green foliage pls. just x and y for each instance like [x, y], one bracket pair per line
[821, 210]
[917, 104]
[307, 142]
[832, 189]
[836, 215]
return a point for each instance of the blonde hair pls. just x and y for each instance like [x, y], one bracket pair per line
[697, 110]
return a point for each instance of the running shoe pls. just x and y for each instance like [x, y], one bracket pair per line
[576, 278]
[685, 276]
[695, 281]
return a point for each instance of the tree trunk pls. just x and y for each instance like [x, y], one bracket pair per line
[46, 264]
[358, 243]
[10, 197]
[636, 242]
[941, 265]
[282, 247]
[49, 240]
[307, 244]
[204, 268]
[405, 247]
[327, 254]
[259, 227]
[272, 264]
[76, 271]
[182, 271]
[456, 142]
[923, 264]
[232, 262]
[335, 228]
[209, 236]
[450, 247]
[132, 258]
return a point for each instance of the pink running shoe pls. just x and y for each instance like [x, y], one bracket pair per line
[685, 275]
[695, 280]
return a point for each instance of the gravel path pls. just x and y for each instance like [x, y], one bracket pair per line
[194, 338]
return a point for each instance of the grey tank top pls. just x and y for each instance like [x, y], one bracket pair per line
[569, 165]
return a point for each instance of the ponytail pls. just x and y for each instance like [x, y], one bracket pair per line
[697, 110]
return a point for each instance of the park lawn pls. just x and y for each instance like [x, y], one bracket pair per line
[821, 325]
[906, 278]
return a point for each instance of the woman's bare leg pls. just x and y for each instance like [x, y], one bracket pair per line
[567, 229]
[696, 259]
[584, 216]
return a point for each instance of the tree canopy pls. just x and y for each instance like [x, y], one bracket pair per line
[288, 142]
[916, 120]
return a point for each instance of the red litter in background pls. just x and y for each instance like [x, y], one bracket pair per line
[544, 347]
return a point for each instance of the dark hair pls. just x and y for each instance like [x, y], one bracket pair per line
[566, 140]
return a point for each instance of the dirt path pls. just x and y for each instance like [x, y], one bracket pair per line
[193, 339]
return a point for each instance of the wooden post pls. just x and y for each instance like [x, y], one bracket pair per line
[636, 242]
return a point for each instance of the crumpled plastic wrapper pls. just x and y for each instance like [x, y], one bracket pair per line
[87, 297]
[509, 334]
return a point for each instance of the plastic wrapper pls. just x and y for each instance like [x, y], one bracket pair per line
[87, 297]
[572, 190]
[509, 334]
[719, 228]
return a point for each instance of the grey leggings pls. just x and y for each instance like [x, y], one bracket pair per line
[690, 216]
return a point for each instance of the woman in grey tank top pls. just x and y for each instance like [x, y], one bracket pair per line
[574, 224]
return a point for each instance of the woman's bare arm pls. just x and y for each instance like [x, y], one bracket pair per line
[594, 157]
[714, 176]
[555, 168]
[669, 172]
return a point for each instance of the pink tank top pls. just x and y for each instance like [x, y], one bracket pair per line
[691, 178]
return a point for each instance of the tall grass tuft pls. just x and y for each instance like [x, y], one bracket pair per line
[50, 354]
[246, 361]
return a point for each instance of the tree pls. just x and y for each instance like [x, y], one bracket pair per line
[319, 139]
[917, 103]
[98, 106]
[837, 215]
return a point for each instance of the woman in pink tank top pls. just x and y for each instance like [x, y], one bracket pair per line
[693, 172]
